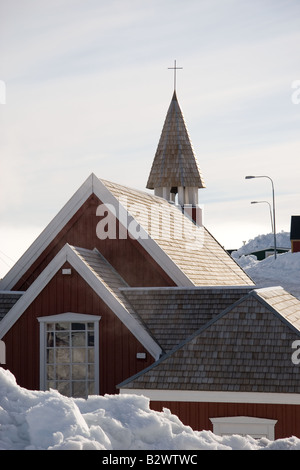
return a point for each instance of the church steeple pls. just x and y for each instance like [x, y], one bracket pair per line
[175, 168]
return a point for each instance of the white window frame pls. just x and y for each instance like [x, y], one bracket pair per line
[74, 318]
[244, 426]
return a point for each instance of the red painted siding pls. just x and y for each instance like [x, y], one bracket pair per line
[197, 415]
[126, 255]
[295, 246]
[117, 346]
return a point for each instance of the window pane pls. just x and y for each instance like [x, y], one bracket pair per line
[79, 371]
[62, 326]
[78, 339]
[64, 388]
[62, 355]
[78, 326]
[91, 388]
[78, 355]
[90, 339]
[63, 372]
[50, 340]
[78, 389]
[50, 373]
[51, 384]
[50, 356]
[91, 355]
[62, 339]
[91, 372]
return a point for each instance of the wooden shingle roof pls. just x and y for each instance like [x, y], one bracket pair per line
[7, 301]
[175, 163]
[247, 348]
[174, 314]
[192, 249]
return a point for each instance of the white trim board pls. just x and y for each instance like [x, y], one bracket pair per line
[68, 254]
[244, 425]
[215, 397]
[92, 185]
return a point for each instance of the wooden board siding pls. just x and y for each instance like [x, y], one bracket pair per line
[127, 256]
[197, 415]
[70, 293]
[295, 246]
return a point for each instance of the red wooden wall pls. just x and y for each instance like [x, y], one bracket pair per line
[295, 246]
[117, 346]
[127, 256]
[197, 415]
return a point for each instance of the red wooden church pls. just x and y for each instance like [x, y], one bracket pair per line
[127, 292]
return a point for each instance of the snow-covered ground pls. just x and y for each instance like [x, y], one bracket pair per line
[35, 420]
[284, 271]
[47, 420]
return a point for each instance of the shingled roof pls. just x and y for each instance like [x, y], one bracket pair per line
[175, 163]
[174, 314]
[247, 348]
[192, 249]
[7, 301]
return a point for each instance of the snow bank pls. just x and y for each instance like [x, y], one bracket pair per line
[284, 271]
[36, 420]
[265, 241]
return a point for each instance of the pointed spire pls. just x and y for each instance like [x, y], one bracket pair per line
[175, 164]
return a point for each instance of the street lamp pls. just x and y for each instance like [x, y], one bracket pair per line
[266, 202]
[274, 225]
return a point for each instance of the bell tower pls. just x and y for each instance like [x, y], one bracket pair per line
[175, 169]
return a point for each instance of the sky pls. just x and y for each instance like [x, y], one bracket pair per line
[85, 88]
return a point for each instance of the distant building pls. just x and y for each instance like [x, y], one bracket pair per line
[262, 254]
[295, 233]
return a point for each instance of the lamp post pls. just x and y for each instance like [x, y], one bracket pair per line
[266, 202]
[273, 195]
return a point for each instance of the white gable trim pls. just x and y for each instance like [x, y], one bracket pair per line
[150, 245]
[100, 289]
[33, 291]
[215, 397]
[69, 317]
[48, 234]
[92, 185]
[68, 254]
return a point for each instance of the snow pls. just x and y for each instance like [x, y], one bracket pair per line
[46, 420]
[38, 420]
[283, 271]
[265, 241]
